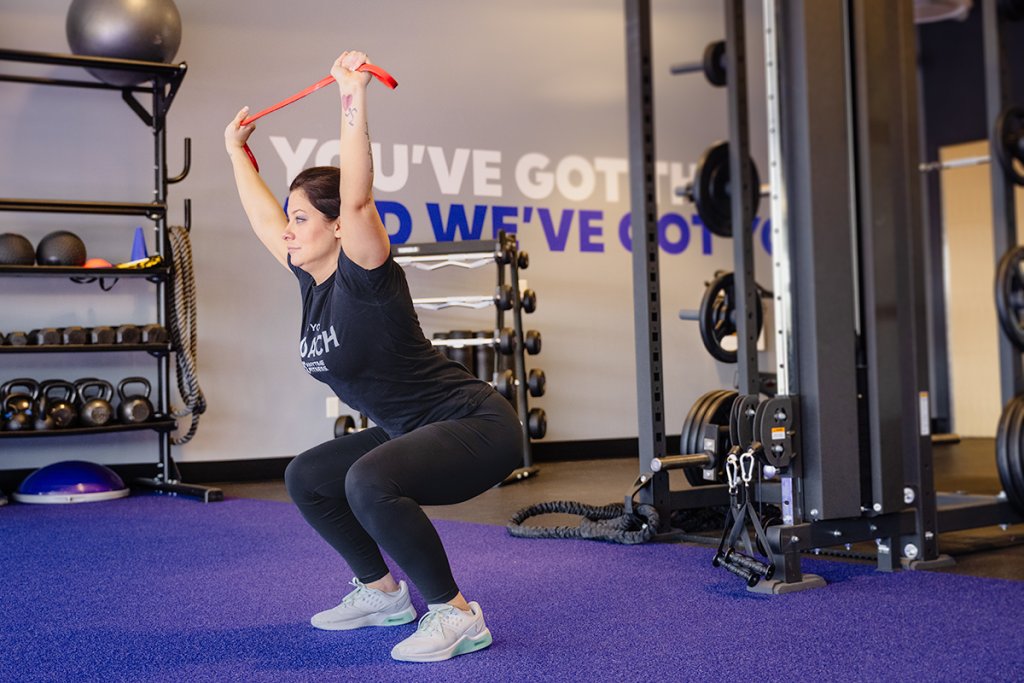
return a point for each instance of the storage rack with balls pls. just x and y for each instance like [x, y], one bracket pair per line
[150, 405]
[498, 356]
[843, 448]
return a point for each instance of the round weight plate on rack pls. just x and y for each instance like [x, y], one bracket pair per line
[741, 424]
[711, 189]
[714, 63]
[1010, 295]
[1008, 140]
[716, 412]
[717, 316]
[1009, 451]
[691, 442]
[697, 407]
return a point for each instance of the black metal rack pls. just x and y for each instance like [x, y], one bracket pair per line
[161, 84]
[476, 254]
[852, 353]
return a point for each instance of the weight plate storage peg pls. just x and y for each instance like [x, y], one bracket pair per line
[1009, 288]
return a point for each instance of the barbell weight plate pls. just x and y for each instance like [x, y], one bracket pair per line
[697, 407]
[711, 189]
[714, 63]
[1008, 140]
[1011, 471]
[717, 316]
[691, 442]
[716, 412]
[1007, 449]
[734, 420]
[1009, 290]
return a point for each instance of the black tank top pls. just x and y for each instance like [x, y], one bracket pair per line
[361, 337]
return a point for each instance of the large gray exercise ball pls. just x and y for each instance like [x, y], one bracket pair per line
[149, 30]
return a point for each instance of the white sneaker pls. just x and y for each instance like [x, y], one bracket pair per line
[367, 607]
[444, 632]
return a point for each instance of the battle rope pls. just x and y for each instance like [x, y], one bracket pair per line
[183, 329]
[600, 523]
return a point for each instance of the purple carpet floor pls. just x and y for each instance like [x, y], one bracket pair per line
[151, 588]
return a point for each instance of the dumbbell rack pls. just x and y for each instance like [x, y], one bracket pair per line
[162, 84]
[472, 254]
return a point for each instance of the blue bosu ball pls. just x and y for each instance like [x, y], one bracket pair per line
[71, 481]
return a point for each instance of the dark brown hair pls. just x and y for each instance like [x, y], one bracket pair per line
[320, 183]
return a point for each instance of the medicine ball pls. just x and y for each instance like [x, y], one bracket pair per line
[60, 248]
[126, 29]
[15, 250]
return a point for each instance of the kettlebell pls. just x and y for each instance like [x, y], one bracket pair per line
[62, 408]
[18, 407]
[137, 407]
[94, 396]
[44, 421]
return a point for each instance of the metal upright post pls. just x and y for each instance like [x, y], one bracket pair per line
[817, 270]
[646, 294]
[161, 402]
[742, 208]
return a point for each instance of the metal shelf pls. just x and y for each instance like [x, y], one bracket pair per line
[163, 425]
[171, 74]
[151, 210]
[155, 349]
[155, 274]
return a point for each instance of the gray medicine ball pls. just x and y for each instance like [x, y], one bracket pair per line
[16, 250]
[60, 248]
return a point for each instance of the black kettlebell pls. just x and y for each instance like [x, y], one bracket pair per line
[62, 407]
[94, 396]
[137, 407]
[19, 406]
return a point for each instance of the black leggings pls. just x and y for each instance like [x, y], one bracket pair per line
[362, 492]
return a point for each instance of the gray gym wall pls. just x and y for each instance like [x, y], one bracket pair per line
[498, 81]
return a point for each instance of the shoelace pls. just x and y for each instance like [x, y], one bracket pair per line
[432, 622]
[361, 592]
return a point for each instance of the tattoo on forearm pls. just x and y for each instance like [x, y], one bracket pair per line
[348, 109]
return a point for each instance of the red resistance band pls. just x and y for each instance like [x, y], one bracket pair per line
[381, 75]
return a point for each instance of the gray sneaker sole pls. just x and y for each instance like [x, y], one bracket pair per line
[403, 617]
[463, 646]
